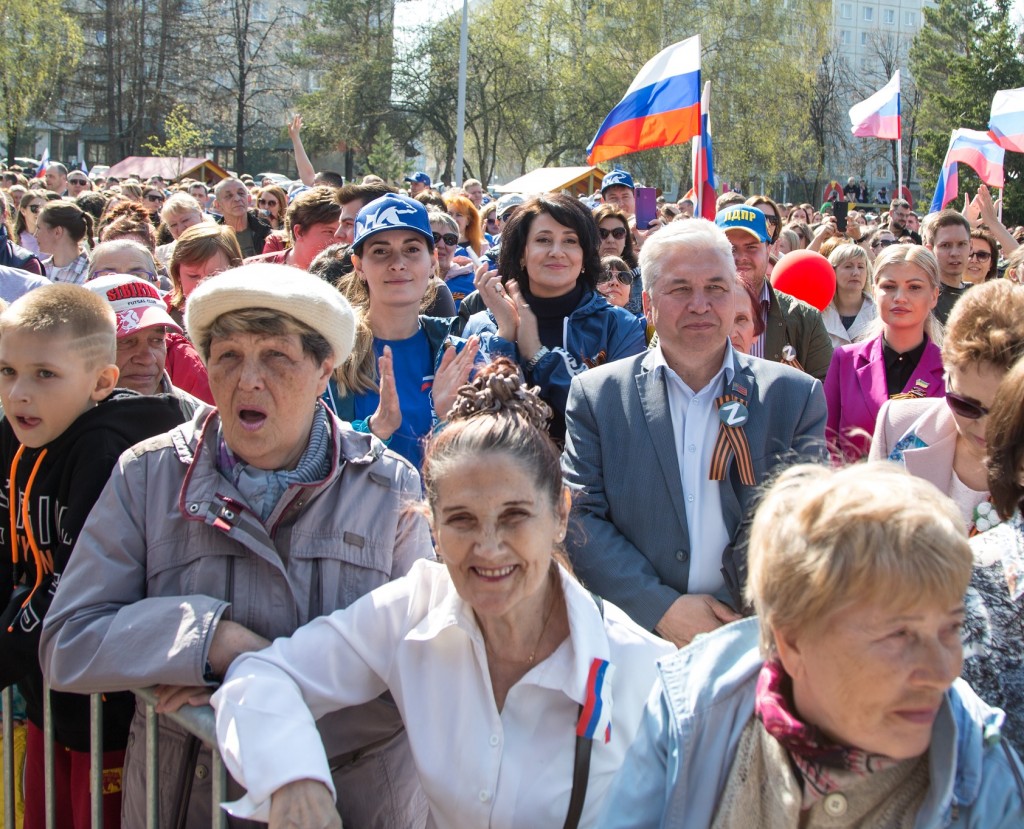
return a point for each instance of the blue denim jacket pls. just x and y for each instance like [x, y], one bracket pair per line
[677, 767]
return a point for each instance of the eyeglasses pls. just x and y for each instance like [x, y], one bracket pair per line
[267, 202]
[617, 233]
[883, 243]
[450, 239]
[154, 197]
[773, 219]
[625, 277]
[964, 407]
[140, 272]
[77, 181]
[980, 255]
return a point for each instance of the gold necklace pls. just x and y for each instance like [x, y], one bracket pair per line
[543, 630]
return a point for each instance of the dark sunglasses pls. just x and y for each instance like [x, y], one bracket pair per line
[883, 243]
[625, 277]
[77, 181]
[450, 239]
[965, 407]
[616, 233]
[773, 219]
[153, 197]
[268, 202]
[980, 255]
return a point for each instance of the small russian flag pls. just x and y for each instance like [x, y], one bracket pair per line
[44, 162]
[596, 718]
[879, 115]
[1006, 123]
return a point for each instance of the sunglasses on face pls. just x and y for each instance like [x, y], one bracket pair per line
[965, 407]
[625, 277]
[267, 202]
[980, 255]
[450, 239]
[883, 243]
[77, 181]
[617, 233]
[773, 219]
[154, 197]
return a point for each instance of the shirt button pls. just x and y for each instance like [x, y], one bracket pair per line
[689, 498]
[691, 448]
[494, 739]
[681, 555]
[835, 805]
[484, 795]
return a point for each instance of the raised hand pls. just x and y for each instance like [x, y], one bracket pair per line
[452, 374]
[385, 421]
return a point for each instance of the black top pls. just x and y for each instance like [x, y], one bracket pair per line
[551, 313]
[68, 480]
[847, 321]
[948, 296]
[900, 367]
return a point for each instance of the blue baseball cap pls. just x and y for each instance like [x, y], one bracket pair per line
[617, 178]
[743, 217]
[422, 178]
[391, 212]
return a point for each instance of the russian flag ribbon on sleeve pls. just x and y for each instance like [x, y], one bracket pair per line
[879, 115]
[596, 717]
[1006, 123]
[661, 107]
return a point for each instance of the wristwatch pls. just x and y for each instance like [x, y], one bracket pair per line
[536, 358]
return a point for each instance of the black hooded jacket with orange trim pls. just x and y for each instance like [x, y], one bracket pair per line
[59, 483]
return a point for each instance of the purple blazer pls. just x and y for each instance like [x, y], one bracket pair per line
[855, 389]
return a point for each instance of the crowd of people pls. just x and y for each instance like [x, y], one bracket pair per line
[467, 511]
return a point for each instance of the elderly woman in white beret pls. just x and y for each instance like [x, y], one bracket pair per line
[839, 706]
[236, 528]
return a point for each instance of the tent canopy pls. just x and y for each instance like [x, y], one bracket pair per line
[169, 169]
[580, 181]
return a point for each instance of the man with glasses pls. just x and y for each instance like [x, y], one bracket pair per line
[231, 199]
[947, 234]
[795, 333]
[899, 216]
[78, 182]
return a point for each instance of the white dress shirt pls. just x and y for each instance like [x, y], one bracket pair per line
[695, 426]
[417, 638]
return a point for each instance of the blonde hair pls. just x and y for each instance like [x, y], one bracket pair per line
[986, 326]
[922, 258]
[847, 252]
[63, 310]
[825, 539]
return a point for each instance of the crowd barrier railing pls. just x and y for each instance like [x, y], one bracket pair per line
[196, 720]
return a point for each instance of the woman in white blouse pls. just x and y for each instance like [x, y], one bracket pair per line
[849, 315]
[510, 677]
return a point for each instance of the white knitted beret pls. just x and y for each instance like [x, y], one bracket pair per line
[278, 288]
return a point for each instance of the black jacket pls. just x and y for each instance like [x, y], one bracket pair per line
[260, 230]
[60, 482]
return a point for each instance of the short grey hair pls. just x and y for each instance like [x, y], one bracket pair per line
[438, 217]
[180, 203]
[696, 236]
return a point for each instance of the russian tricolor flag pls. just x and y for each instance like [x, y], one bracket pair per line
[703, 160]
[879, 115]
[44, 162]
[660, 108]
[1006, 123]
[595, 722]
[977, 150]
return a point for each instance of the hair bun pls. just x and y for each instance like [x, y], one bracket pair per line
[499, 389]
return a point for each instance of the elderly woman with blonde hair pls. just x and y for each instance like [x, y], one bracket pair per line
[840, 704]
[848, 317]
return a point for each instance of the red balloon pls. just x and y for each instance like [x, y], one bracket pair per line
[807, 275]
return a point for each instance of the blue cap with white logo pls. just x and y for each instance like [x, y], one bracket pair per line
[391, 212]
[617, 178]
[422, 178]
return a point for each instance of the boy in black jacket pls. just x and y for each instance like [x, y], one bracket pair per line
[64, 429]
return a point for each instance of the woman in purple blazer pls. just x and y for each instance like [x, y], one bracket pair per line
[902, 360]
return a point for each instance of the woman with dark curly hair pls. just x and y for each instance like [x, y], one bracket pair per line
[543, 305]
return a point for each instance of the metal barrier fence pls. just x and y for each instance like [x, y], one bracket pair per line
[195, 720]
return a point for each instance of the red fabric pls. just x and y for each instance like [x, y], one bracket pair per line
[274, 243]
[186, 369]
[71, 780]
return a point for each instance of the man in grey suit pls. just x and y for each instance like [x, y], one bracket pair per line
[665, 451]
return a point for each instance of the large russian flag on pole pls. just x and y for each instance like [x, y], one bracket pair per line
[661, 107]
[703, 161]
[1006, 123]
[977, 150]
[879, 115]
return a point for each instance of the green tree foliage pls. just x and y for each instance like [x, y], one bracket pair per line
[181, 136]
[40, 46]
[966, 52]
[385, 159]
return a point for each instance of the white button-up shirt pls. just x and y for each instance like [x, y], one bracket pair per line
[417, 638]
[695, 426]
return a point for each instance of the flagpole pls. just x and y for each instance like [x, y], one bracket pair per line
[899, 168]
[694, 165]
[1000, 214]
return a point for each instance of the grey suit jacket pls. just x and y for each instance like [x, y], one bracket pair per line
[628, 541]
